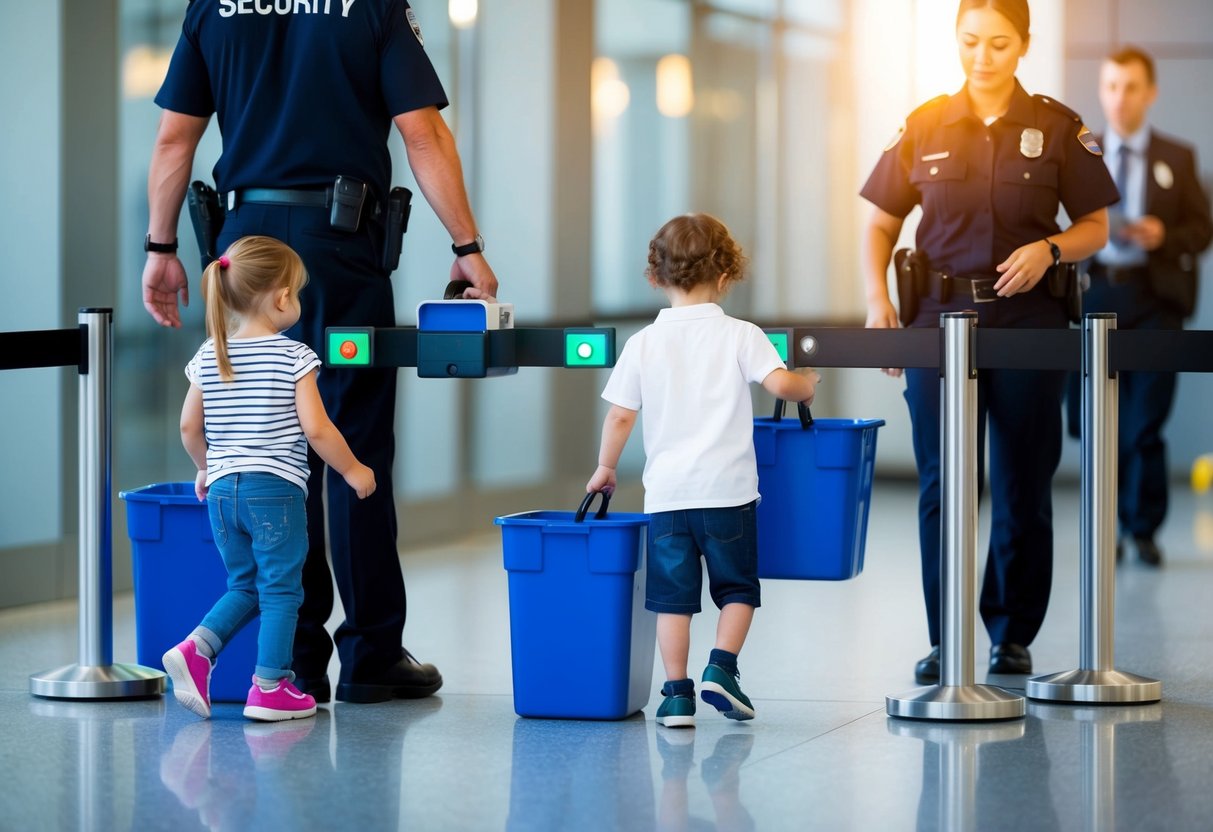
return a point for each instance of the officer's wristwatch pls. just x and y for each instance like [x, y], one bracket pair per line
[1056, 251]
[474, 247]
[159, 248]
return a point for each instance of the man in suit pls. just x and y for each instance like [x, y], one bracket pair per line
[1146, 275]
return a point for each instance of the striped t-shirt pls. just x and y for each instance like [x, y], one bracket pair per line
[251, 421]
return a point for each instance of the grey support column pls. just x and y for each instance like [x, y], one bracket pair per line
[95, 676]
[1097, 679]
[957, 697]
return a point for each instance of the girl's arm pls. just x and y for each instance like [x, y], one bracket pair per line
[193, 436]
[615, 432]
[327, 441]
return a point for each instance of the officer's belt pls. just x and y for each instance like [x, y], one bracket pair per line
[314, 198]
[1118, 275]
[944, 287]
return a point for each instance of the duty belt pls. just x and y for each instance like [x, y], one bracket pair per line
[315, 198]
[1119, 275]
[943, 287]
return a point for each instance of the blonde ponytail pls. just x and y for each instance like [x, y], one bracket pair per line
[236, 283]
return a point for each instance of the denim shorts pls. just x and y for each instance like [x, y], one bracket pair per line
[727, 540]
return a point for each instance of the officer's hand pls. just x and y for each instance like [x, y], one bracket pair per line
[163, 278]
[603, 480]
[882, 315]
[1023, 269]
[1148, 232]
[475, 269]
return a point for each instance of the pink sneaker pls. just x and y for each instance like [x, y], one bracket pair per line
[191, 675]
[283, 702]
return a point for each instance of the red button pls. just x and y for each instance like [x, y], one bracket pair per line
[348, 350]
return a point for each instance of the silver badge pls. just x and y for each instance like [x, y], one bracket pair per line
[416, 27]
[1163, 175]
[1031, 142]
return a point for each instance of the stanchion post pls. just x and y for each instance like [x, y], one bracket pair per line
[1097, 680]
[95, 676]
[956, 697]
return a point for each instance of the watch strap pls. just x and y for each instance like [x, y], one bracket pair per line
[159, 248]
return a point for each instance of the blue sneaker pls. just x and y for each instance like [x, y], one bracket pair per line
[677, 711]
[720, 689]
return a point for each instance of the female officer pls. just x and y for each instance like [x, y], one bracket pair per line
[990, 165]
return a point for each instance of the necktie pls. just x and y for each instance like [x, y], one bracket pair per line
[1122, 173]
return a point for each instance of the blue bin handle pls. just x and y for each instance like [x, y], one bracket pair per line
[579, 517]
[455, 289]
[802, 410]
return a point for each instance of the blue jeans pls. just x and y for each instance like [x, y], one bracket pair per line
[260, 526]
[728, 540]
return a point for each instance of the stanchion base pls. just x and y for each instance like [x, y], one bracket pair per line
[1095, 686]
[969, 703]
[112, 681]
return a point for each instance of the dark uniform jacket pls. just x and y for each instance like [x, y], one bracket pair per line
[987, 190]
[1174, 195]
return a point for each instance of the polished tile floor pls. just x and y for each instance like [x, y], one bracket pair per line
[821, 755]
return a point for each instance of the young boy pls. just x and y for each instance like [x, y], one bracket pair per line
[690, 370]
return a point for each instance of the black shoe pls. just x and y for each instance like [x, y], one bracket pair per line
[1010, 657]
[318, 687]
[407, 679]
[926, 672]
[1148, 551]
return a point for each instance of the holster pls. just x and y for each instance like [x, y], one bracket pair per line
[910, 268]
[1065, 284]
[206, 217]
[398, 208]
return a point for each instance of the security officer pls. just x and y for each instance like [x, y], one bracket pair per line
[990, 165]
[1147, 275]
[306, 93]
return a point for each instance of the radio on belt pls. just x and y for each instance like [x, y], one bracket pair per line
[453, 337]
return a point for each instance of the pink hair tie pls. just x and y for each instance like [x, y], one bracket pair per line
[224, 261]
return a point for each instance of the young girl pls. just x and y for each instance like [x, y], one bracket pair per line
[690, 370]
[251, 410]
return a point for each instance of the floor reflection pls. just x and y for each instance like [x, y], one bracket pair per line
[581, 775]
[721, 776]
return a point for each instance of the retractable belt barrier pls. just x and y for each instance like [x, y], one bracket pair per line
[959, 349]
[89, 348]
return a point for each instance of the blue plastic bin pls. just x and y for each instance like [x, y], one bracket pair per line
[581, 640]
[816, 484]
[179, 576]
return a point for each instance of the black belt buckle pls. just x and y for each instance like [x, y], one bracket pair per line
[982, 289]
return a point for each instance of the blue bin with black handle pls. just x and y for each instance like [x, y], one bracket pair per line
[179, 575]
[581, 641]
[815, 478]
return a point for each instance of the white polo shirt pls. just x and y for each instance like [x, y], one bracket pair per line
[690, 372]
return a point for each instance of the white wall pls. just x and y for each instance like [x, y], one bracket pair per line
[30, 283]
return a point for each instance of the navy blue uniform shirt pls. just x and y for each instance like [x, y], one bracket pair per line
[987, 190]
[304, 90]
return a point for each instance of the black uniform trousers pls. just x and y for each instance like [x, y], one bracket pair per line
[1022, 411]
[1145, 402]
[346, 287]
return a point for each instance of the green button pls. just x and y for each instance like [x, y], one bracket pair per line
[585, 349]
[780, 341]
[349, 348]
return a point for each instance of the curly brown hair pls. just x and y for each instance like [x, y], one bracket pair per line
[694, 249]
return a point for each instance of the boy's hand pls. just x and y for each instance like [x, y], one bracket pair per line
[362, 480]
[200, 486]
[603, 480]
[813, 377]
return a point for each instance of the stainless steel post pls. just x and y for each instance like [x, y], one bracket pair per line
[1097, 679]
[95, 676]
[956, 697]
